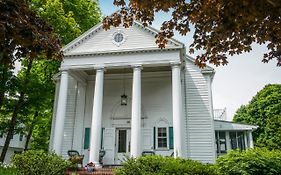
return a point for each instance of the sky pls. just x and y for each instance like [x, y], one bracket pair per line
[234, 84]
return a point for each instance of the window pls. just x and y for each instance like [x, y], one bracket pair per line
[233, 140]
[237, 140]
[162, 138]
[221, 142]
[1, 135]
[21, 137]
[118, 37]
[241, 140]
[163, 135]
[122, 141]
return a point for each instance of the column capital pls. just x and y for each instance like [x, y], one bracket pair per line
[175, 64]
[63, 69]
[99, 68]
[136, 66]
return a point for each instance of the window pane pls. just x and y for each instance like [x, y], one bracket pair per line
[217, 144]
[21, 137]
[162, 132]
[162, 142]
[241, 141]
[222, 142]
[162, 138]
[122, 137]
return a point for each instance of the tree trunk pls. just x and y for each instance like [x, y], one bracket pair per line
[2, 84]
[2, 93]
[28, 137]
[16, 110]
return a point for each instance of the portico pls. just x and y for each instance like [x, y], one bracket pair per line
[135, 126]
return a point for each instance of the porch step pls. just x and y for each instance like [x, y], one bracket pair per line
[101, 171]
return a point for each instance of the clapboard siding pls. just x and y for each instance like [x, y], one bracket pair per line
[69, 117]
[199, 127]
[135, 38]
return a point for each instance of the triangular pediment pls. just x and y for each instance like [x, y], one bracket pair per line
[135, 38]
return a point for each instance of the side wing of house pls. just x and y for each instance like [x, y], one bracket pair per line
[199, 124]
[230, 135]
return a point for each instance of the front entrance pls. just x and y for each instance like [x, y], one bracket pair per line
[122, 144]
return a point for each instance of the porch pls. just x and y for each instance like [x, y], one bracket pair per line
[122, 126]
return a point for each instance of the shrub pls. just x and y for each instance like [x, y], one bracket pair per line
[250, 162]
[40, 163]
[7, 170]
[154, 165]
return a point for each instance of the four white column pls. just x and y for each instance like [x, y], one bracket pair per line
[95, 140]
[136, 113]
[177, 109]
[60, 113]
[96, 128]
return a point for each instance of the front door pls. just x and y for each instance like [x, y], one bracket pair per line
[123, 140]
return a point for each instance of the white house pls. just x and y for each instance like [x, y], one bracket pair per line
[16, 145]
[118, 91]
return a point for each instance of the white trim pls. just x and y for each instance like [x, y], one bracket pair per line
[167, 138]
[119, 31]
[82, 37]
[155, 31]
[116, 65]
[207, 69]
[211, 111]
[135, 50]
[88, 34]
[231, 126]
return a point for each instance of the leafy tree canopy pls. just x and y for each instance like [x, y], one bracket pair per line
[222, 27]
[23, 34]
[69, 18]
[264, 110]
[30, 101]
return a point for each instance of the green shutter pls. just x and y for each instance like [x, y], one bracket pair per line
[87, 138]
[171, 138]
[101, 143]
[154, 138]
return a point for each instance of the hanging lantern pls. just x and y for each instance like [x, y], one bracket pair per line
[124, 100]
[124, 97]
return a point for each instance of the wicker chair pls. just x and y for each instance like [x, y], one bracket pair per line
[74, 153]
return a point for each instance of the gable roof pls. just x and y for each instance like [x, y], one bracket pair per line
[207, 69]
[85, 37]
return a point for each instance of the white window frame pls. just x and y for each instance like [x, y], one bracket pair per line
[119, 31]
[156, 135]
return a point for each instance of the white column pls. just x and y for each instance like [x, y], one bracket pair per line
[60, 114]
[251, 141]
[79, 118]
[177, 110]
[227, 139]
[245, 139]
[136, 113]
[95, 140]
